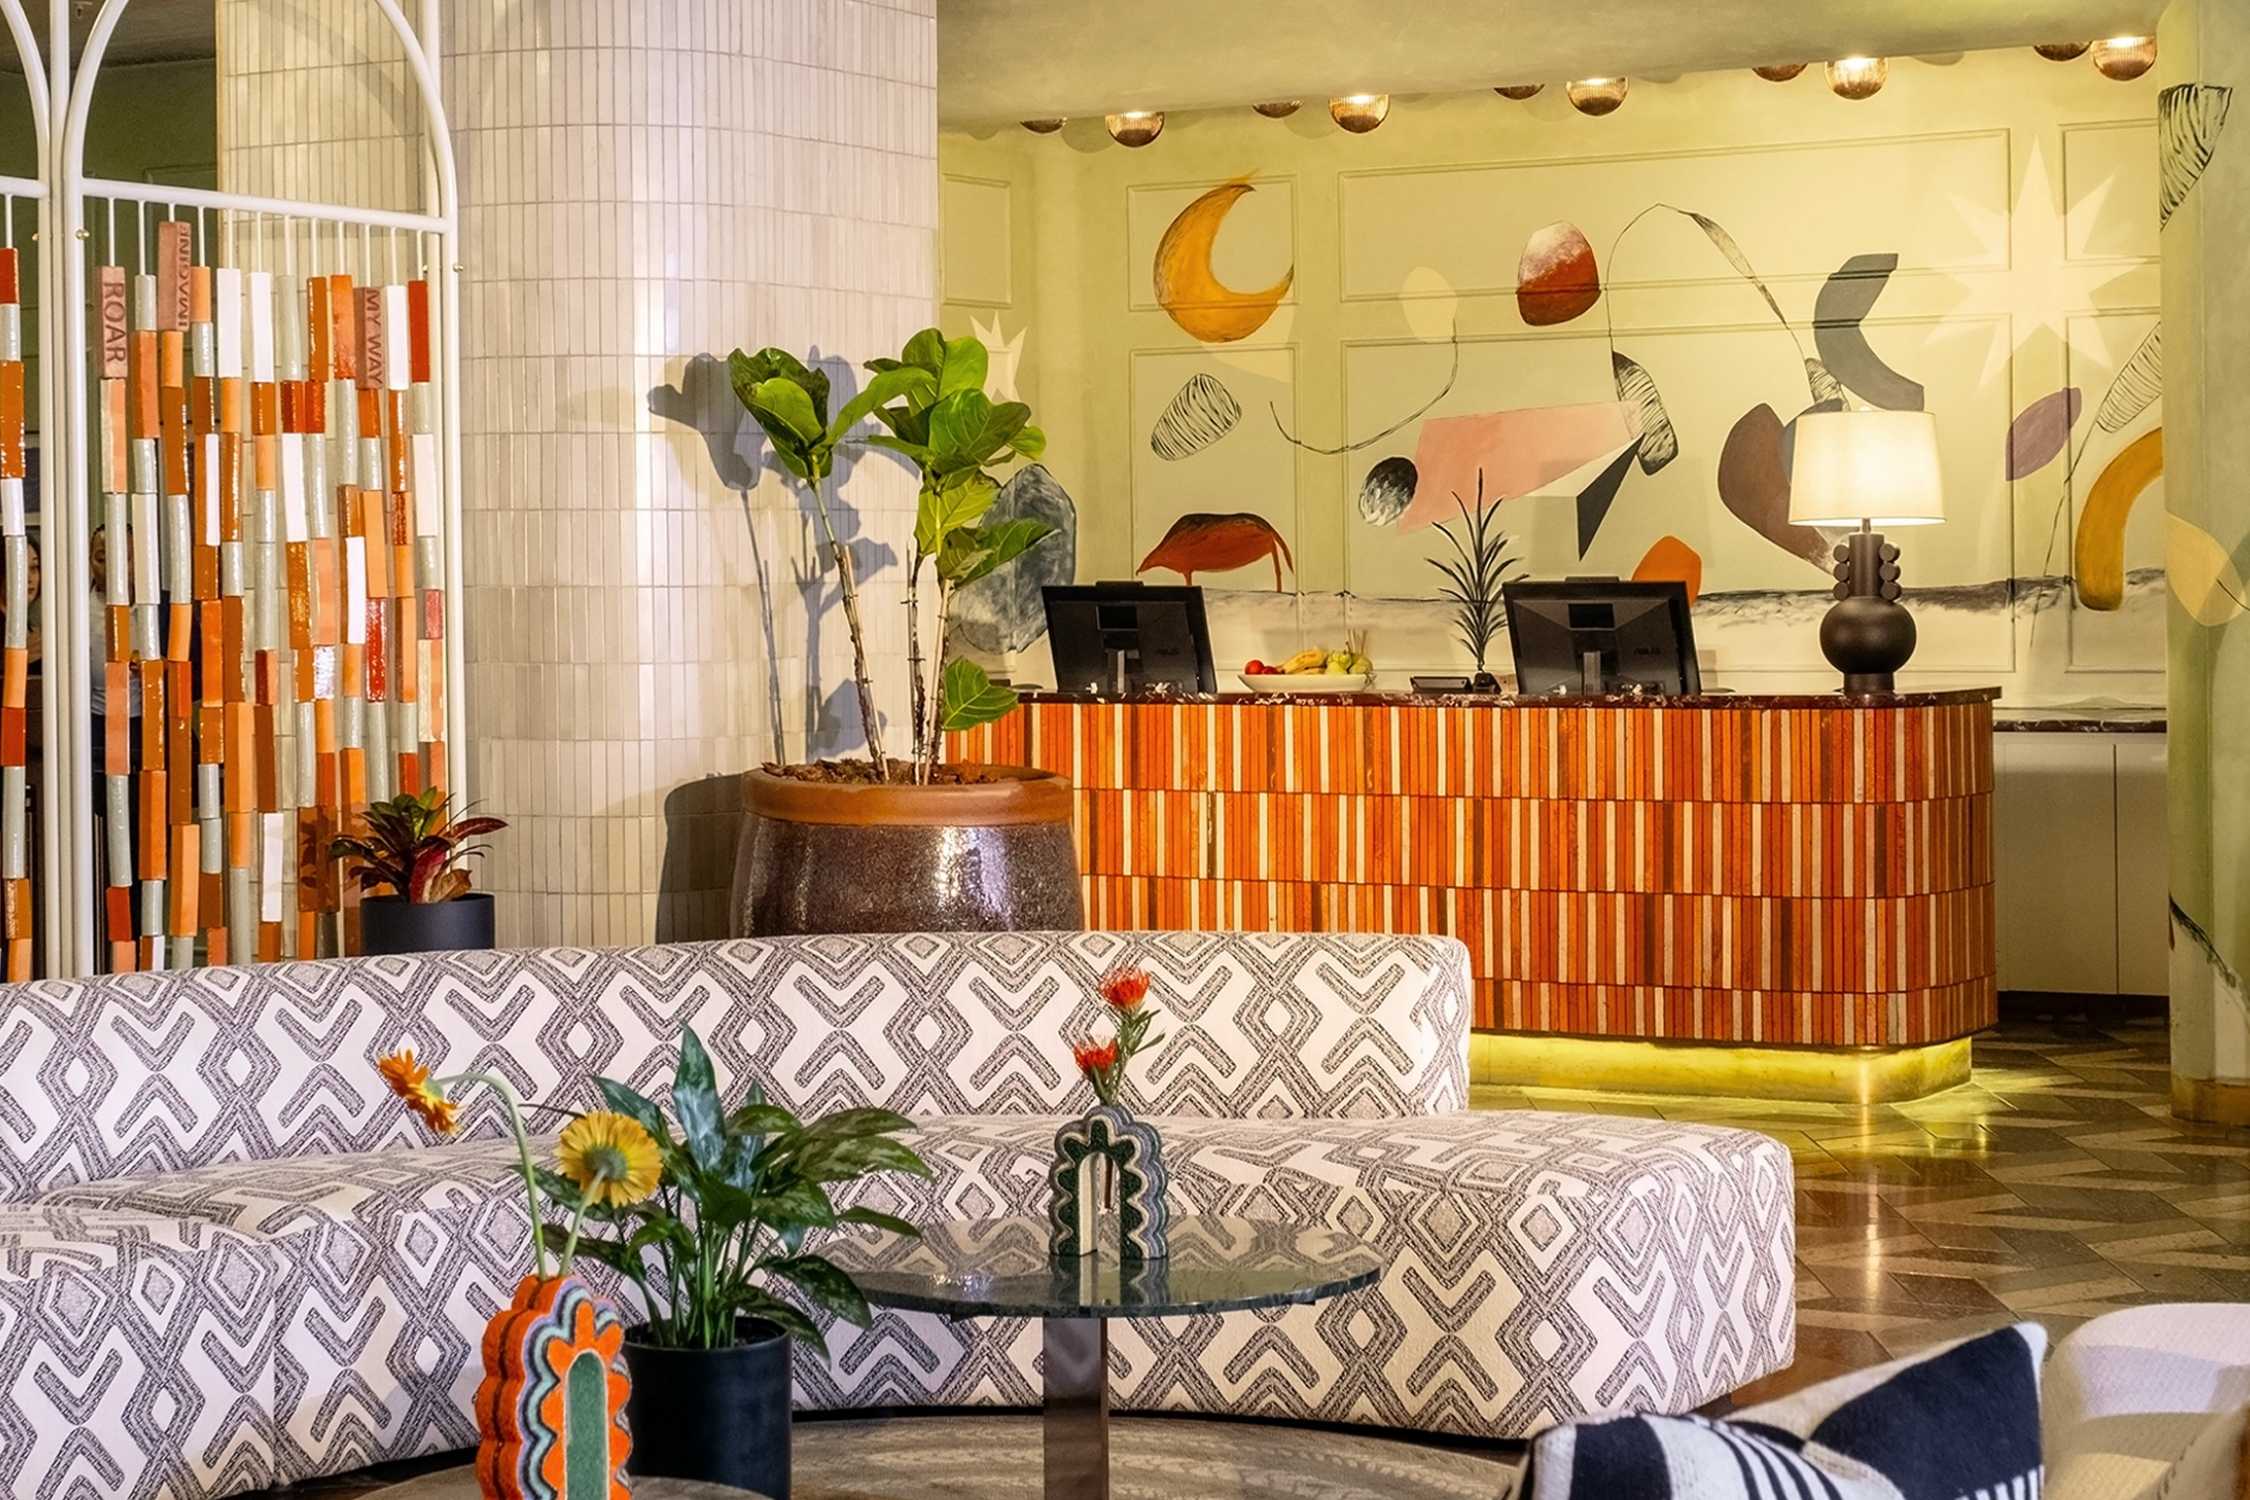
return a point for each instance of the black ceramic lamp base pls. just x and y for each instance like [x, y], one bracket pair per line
[1867, 634]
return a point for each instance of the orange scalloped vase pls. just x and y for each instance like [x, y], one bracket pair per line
[551, 1407]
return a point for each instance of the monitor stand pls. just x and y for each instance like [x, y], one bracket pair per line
[1120, 672]
[1590, 673]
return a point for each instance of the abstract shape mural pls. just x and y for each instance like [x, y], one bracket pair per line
[1205, 543]
[1005, 611]
[1846, 297]
[2041, 430]
[1556, 278]
[2201, 575]
[1754, 485]
[1670, 560]
[1660, 443]
[2135, 386]
[1517, 452]
[1198, 415]
[1386, 491]
[1191, 293]
[2099, 564]
[1599, 494]
[2189, 117]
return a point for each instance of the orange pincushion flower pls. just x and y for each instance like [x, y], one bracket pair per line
[1124, 988]
[1094, 1057]
[411, 1082]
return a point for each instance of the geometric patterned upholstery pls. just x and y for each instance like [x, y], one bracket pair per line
[220, 1133]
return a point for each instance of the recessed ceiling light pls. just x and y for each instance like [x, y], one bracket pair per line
[1135, 127]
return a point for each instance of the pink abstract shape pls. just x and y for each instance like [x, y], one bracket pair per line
[1521, 452]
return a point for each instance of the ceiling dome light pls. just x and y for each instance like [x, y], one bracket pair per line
[1517, 90]
[1779, 72]
[1047, 126]
[1278, 109]
[1135, 127]
[2061, 51]
[1360, 113]
[2125, 58]
[1595, 96]
[1858, 77]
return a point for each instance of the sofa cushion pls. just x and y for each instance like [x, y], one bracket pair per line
[397, 1259]
[1958, 1420]
[1540, 1266]
[135, 1353]
[2132, 1391]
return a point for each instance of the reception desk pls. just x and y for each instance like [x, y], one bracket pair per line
[1783, 895]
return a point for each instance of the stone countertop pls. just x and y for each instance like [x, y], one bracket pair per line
[2078, 718]
[1376, 699]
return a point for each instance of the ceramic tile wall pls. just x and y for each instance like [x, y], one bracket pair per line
[645, 187]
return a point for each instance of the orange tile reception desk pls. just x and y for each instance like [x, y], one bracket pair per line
[1790, 895]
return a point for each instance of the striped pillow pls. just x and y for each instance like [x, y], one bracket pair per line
[1958, 1422]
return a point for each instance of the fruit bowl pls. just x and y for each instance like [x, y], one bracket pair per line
[1304, 682]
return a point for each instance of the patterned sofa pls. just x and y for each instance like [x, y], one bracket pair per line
[230, 1260]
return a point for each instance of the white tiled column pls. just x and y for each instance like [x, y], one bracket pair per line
[645, 187]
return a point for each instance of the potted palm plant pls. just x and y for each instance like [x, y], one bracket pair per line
[907, 843]
[411, 863]
[717, 1254]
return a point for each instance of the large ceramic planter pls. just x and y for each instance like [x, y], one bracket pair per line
[716, 1415]
[388, 924]
[981, 856]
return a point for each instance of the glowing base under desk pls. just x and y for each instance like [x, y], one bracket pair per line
[1792, 875]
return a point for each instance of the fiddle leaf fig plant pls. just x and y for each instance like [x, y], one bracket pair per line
[931, 404]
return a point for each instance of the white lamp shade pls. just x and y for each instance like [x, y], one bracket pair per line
[1874, 466]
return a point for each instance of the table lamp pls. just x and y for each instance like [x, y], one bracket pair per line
[1873, 469]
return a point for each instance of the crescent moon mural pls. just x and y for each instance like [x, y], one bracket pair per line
[1188, 289]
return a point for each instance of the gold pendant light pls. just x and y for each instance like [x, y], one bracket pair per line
[1278, 109]
[1135, 127]
[1517, 90]
[1779, 72]
[1858, 77]
[1595, 96]
[2061, 51]
[2125, 58]
[1360, 113]
[1046, 126]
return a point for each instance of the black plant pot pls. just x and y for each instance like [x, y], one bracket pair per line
[390, 925]
[717, 1415]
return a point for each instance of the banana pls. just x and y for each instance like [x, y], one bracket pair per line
[1311, 659]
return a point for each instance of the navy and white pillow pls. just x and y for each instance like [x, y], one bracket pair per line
[1959, 1422]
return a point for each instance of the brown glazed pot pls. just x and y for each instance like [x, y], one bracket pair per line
[865, 857]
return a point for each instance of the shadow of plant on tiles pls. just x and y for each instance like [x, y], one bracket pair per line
[739, 455]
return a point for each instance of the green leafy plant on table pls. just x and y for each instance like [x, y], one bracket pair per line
[931, 404]
[413, 847]
[741, 1190]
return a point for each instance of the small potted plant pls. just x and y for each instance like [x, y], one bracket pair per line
[717, 1254]
[415, 852]
[877, 845]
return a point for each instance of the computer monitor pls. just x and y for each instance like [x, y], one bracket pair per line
[1122, 637]
[1595, 635]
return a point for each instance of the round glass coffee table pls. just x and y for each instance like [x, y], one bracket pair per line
[991, 1268]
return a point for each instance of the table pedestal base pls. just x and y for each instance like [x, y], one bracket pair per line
[1076, 1436]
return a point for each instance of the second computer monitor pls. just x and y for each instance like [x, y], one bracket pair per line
[1124, 637]
[1602, 634]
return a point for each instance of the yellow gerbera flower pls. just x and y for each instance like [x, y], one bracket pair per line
[411, 1082]
[611, 1158]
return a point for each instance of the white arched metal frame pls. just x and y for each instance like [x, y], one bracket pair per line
[55, 85]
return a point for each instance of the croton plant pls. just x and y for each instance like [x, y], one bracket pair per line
[412, 848]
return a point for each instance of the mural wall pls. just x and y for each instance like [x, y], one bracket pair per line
[1341, 380]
